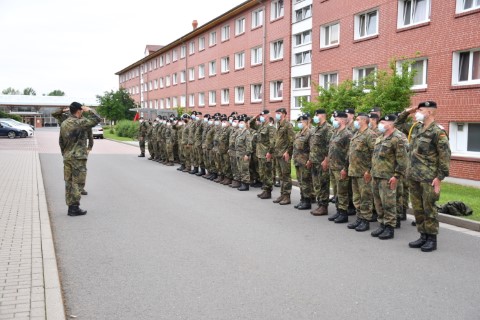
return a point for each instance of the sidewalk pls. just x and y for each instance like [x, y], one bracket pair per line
[29, 280]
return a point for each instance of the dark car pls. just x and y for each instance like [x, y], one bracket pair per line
[8, 131]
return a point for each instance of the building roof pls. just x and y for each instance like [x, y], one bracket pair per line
[203, 28]
[151, 48]
[43, 101]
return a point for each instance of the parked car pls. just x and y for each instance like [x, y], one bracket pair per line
[27, 131]
[97, 132]
[8, 131]
[13, 121]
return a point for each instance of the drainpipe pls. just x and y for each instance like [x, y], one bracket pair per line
[264, 62]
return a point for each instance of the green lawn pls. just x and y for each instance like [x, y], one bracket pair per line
[108, 135]
[468, 195]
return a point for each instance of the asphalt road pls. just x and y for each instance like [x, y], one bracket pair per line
[159, 244]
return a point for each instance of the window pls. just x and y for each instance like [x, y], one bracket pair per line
[467, 5]
[183, 52]
[212, 68]
[465, 138]
[328, 79]
[150, 87]
[191, 100]
[174, 55]
[212, 39]
[301, 82]
[239, 94]
[174, 102]
[330, 35]
[201, 44]
[201, 71]
[201, 99]
[167, 103]
[239, 60]
[162, 103]
[155, 84]
[466, 67]
[303, 57]
[182, 76]
[191, 47]
[276, 90]
[276, 10]
[303, 38]
[161, 61]
[225, 32]
[156, 104]
[366, 24]
[212, 98]
[303, 13]
[191, 74]
[256, 56]
[225, 96]
[420, 68]
[183, 101]
[174, 78]
[167, 58]
[411, 12]
[257, 18]
[359, 75]
[225, 64]
[256, 93]
[299, 101]
[239, 26]
[276, 50]
[167, 81]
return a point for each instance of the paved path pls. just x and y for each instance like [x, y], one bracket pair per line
[159, 244]
[29, 285]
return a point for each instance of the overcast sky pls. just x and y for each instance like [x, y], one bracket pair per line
[77, 45]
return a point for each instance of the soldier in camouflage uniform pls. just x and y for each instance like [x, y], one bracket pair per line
[254, 175]
[181, 153]
[389, 162]
[336, 161]
[301, 153]
[191, 142]
[359, 163]
[170, 140]
[232, 153]
[319, 142]
[429, 164]
[142, 133]
[74, 152]
[208, 154]
[243, 149]
[148, 138]
[265, 144]
[216, 156]
[283, 149]
[197, 145]
[223, 156]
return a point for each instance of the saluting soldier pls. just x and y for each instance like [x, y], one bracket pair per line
[301, 152]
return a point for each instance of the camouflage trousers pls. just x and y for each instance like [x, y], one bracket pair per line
[74, 174]
[304, 177]
[254, 176]
[362, 197]
[243, 167]
[406, 194]
[385, 201]
[198, 156]
[266, 173]
[285, 175]
[181, 155]
[275, 168]
[141, 142]
[155, 148]
[210, 161]
[340, 189]
[187, 155]
[226, 165]
[423, 200]
[234, 167]
[400, 191]
[150, 149]
[169, 149]
[321, 184]
[217, 158]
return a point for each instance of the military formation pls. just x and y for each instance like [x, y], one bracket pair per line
[375, 165]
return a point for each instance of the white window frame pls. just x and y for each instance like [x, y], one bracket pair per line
[201, 43]
[296, 100]
[162, 59]
[191, 47]
[174, 55]
[174, 79]
[326, 35]
[257, 18]
[225, 96]
[167, 103]
[201, 99]
[162, 103]
[201, 71]
[303, 36]
[212, 39]
[212, 98]
[363, 70]
[160, 82]
[303, 55]
[362, 29]
[155, 84]
[256, 56]
[183, 101]
[326, 84]
[183, 76]
[460, 7]
[225, 64]
[256, 92]
[276, 90]
[274, 50]
[212, 68]
[240, 26]
[191, 74]
[412, 14]
[459, 132]
[240, 94]
[183, 51]
[225, 32]
[239, 60]
[303, 81]
[303, 13]
[191, 100]
[167, 58]
[423, 76]
[167, 81]
[456, 61]
[174, 102]
[277, 10]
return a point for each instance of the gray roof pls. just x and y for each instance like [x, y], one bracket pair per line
[44, 101]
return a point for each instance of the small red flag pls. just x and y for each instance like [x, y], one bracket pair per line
[137, 116]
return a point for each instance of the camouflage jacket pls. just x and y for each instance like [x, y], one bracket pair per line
[284, 139]
[186, 132]
[243, 143]
[389, 156]
[142, 129]
[61, 116]
[149, 132]
[231, 141]
[301, 147]
[72, 135]
[191, 134]
[429, 152]
[359, 158]
[180, 133]
[224, 139]
[199, 133]
[169, 135]
[216, 137]
[338, 149]
[209, 137]
[319, 142]
[265, 140]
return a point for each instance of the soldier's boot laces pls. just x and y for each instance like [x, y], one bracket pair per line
[355, 224]
[285, 200]
[419, 242]
[430, 244]
[377, 232]
[388, 233]
[74, 210]
[306, 205]
[363, 226]
[343, 217]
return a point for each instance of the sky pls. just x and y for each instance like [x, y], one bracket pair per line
[77, 45]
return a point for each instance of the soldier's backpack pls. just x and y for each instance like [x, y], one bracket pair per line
[455, 208]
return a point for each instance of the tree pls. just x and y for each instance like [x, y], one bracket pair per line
[11, 91]
[115, 105]
[58, 93]
[29, 92]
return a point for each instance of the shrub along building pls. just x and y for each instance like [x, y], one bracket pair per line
[270, 54]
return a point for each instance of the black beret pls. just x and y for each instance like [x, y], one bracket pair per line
[224, 118]
[427, 104]
[282, 110]
[234, 113]
[194, 113]
[247, 118]
[241, 118]
[199, 113]
[350, 110]
[172, 115]
[264, 112]
[376, 109]
[303, 117]
[389, 117]
[223, 115]
[362, 114]
[320, 111]
[206, 116]
[74, 106]
[184, 116]
[373, 116]
[340, 114]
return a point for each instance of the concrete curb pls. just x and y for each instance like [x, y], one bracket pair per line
[54, 307]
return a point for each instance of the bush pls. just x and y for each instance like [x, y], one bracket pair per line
[11, 116]
[127, 128]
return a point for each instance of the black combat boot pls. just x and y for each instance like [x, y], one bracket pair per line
[181, 167]
[374, 216]
[213, 177]
[430, 244]
[201, 172]
[343, 217]
[355, 224]
[300, 203]
[398, 224]
[141, 155]
[74, 210]
[335, 216]
[419, 242]
[351, 209]
[256, 184]
[150, 158]
[306, 205]
[388, 233]
[363, 226]
[403, 216]
[244, 187]
[194, 171]
[379, 231]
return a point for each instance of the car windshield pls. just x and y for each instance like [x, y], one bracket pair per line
[5, 124]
